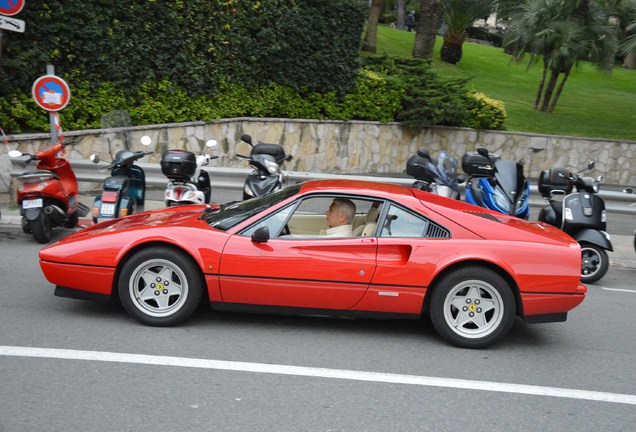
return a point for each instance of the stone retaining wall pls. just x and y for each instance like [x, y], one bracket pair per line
[346, 147]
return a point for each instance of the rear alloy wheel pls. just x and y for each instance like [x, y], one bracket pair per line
[594, 263]
[160, 286]
[472, 308]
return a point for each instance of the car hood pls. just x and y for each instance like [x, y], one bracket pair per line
[105, 242]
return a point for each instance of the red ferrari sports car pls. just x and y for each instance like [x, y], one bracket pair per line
[407, 253]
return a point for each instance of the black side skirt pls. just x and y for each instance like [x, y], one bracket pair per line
[547, 318]
[294, 311]
[66, 292]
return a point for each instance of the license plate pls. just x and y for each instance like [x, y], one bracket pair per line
[32, 203]
[107, 209]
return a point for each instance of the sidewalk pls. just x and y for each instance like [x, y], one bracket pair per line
[623, 255]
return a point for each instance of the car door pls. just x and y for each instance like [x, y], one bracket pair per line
[305, 271]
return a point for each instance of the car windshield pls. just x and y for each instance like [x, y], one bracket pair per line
[234, 213]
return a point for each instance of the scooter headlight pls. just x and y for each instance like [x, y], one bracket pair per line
[248, 191]
[272, 166]
[522, 201]
[501, 201]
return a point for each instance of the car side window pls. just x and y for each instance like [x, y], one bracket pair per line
[401, 223]
[275, 223]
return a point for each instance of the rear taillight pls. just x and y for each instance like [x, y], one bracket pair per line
[109, 196]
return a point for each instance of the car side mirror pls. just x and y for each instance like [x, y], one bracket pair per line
[261, 235]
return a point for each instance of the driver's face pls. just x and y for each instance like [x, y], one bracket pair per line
[335, 217]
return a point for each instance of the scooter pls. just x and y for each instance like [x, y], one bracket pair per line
[188, 182]
[438, 176]
[580, 214]
[496, 184]
[48, 197]
[267, 160]
[124, 191]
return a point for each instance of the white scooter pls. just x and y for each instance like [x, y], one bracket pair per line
[189, 182]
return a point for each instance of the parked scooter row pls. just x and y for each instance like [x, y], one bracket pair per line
[501, 185]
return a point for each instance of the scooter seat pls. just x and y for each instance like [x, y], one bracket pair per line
[117, 183]
[37, 173]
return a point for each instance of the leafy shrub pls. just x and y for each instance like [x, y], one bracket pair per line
[484, 112]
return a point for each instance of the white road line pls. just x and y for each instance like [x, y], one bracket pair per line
[17, 351]
[619, 290]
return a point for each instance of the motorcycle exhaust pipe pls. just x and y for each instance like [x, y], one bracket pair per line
[55, 213]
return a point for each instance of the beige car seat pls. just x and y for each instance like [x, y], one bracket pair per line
[370, 222]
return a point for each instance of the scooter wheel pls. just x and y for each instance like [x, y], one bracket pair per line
[26, 227]
[594, 263]
[41, 229]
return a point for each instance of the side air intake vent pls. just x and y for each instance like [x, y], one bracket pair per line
[436, 231]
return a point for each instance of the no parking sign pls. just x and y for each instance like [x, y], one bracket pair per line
[11, 7]
[51, 92]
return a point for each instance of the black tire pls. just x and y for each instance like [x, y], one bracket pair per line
[41, 228]
[72, 221]
[472, 307]
[594, 263]
[26, 225]
[160, 286]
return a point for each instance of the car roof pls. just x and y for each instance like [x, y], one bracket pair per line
[356, 187]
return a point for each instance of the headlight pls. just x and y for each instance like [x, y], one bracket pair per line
[501, 200]
[272, 167]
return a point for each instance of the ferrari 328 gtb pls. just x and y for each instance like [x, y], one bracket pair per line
[409, 253]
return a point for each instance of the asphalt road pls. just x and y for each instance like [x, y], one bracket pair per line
[95, 369]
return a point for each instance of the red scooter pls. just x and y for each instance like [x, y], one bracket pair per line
[48, 196]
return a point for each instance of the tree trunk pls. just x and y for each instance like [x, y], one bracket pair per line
[554, 76]
[451, 51]
[426, 28]
[541, 84]
[630, 60]
[566, 74]
[371, 36]
[400, 13]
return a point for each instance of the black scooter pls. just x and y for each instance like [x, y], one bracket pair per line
[124, 191]
[266, 159]
[435, 175]
[580, 214]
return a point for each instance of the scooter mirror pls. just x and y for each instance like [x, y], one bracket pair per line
[628, 190]
[211, 143]
[246, 138]
[15, 153]
[483, 151]
[591, 164]
[146, 140]
[94, 158]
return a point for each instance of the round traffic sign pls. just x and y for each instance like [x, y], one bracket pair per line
[11, 7]
[51, 92]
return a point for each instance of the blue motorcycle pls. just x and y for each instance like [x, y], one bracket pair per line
[496, 184]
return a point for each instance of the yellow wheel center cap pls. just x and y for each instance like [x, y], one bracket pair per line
[472, 308]
[160, 286]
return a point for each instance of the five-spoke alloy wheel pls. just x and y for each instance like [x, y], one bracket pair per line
[472, 307]
[160, 286]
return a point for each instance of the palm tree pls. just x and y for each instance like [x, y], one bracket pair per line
[458, 16]
[426, 28]
[561, 33]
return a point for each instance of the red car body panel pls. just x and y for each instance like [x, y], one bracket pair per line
[367, 274]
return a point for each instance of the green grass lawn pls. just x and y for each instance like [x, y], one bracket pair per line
[592, 104]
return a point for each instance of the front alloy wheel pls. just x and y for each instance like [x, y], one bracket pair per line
[472, 308]
[160, 286]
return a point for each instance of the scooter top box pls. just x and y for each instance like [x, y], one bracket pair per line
[178, 164]
[554, 179]
[419, 168]
[475, 164]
